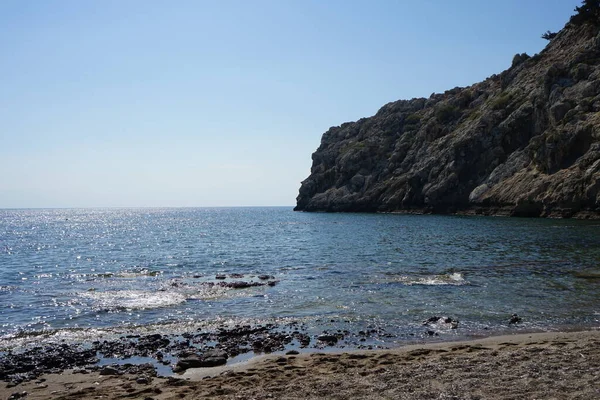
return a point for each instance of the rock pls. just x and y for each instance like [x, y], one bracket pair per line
[520, 143]
[221, 276]
[519, 58]
[431, 320]
[17, 395]
[82, 371]
[304, 340]
[328, 339]
[212, 361]
[215, 353]
[186, 363]
[152, 342]
[441, 322]
[265, 277]
[143, 380]
[109, 371]
[514, 319]
[559, 110]
[206, 360]
[292, 352]
[240, 284]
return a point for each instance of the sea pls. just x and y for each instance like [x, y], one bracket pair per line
[80, 274]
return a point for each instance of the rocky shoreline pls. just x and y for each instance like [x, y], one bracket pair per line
[539, 365]
[176, 352]
[475, 212]
[157, 354]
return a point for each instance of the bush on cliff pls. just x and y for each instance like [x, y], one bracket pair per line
[588, 12]
[446, 113]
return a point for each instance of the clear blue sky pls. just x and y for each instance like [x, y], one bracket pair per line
[221, 103]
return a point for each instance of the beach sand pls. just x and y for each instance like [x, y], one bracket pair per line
[525, 366]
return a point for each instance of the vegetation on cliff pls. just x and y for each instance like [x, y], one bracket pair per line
[525, 142]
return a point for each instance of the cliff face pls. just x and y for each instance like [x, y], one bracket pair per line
[525, 142]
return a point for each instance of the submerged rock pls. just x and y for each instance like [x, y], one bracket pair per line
[514, 319]
[442, 321]
[328, 339]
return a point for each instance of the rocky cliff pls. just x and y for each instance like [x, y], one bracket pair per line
[525, 142]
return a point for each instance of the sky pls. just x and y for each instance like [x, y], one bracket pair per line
[221, 103]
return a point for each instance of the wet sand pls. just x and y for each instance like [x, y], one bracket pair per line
[525, 366]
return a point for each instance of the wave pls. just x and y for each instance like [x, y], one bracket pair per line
[132, 299]
[452, 278]
[170, 293]
[592, 275]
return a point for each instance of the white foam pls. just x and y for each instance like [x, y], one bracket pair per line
[455, 279]
[133, 299]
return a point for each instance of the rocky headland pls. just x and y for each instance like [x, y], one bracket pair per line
[525, 142]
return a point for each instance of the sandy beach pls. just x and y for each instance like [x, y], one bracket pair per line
[524, 366]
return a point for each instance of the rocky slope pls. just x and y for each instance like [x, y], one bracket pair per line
[525, 142]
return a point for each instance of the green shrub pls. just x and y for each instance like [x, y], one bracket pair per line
[474, 115]
[502, 101]
[412, 119]
[446, 113]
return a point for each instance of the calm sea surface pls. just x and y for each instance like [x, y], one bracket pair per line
[75, 273]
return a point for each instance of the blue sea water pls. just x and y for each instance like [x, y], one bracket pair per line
[78, 273]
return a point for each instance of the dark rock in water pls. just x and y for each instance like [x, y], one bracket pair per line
[236, 276]
[525, 142]
[265, 277]
[447, 321]
[329, 339]
[242, 331]
[152, 342]
[292, 353]
[257, 345]
[304, 340]
[221, 276]
[514, 319]
[431, 320]
[240, 284]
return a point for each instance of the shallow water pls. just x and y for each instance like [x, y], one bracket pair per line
[86, 272]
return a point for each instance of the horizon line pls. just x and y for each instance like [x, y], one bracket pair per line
[138, 207]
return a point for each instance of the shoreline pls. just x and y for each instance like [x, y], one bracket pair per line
[523, 365]
[474, 211]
